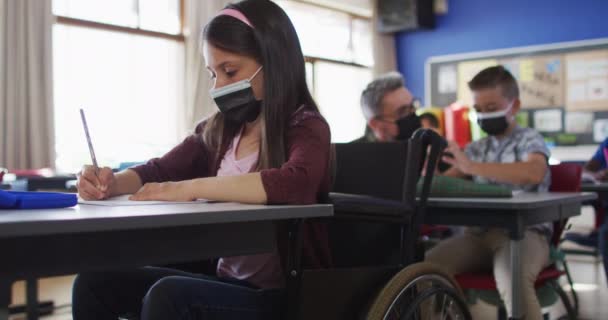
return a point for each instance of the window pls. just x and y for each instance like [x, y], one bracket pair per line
[153, 15]
[338, 90]
[338, 51]
[121, 61]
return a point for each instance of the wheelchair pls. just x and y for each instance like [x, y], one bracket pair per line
[378, 269]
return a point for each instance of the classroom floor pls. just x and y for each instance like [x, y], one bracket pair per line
[587, 271]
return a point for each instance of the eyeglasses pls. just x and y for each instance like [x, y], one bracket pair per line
[403, 111]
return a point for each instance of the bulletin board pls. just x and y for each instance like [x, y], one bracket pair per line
[563, 86]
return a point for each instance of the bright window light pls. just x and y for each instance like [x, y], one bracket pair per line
[338, 90]
[130, 87]
[339, 46]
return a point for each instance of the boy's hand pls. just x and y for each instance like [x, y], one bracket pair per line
[601, 175]
[458, 158]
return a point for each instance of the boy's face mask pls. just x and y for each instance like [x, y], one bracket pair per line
[494, 123]
[237, 101]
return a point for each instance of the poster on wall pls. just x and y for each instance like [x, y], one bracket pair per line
[579, 122]
[540, 79]
[587, 80]
[600, 130]
[466, 71]
[448, 79]
[548, 120]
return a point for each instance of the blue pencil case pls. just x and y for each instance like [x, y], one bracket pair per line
[36, 200]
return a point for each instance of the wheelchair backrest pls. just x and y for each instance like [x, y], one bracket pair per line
[388, 170]
[374, 169]
[383, 170]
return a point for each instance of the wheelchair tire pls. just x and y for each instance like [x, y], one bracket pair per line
[403, 296]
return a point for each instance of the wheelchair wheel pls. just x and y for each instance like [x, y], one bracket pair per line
[419, 291]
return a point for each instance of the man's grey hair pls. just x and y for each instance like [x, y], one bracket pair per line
[371, 98]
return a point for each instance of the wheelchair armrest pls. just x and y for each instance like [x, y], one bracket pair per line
[352, 204]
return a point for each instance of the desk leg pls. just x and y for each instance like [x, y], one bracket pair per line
[294, 268]
[516, 277]
[31, 298]
[5, 298]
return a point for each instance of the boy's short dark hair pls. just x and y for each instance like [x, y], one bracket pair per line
[433, 121]
[493, 77]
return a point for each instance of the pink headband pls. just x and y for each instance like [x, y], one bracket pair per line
[235, 14]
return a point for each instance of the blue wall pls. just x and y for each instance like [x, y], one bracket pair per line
[474, 25]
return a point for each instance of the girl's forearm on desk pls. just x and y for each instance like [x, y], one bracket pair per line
[247, 188]
[126, 182]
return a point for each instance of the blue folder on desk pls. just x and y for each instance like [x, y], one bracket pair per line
[36, 200]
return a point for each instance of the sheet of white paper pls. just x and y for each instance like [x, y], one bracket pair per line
[517, 192]
[588, 177]
[124, 201]
[548, 120]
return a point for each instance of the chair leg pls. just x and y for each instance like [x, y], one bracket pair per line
[294, 267]
[502, 312]
[571, 312]
[571, 283]
[5, 298]
[599, 213]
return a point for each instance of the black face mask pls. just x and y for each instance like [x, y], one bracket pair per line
[494, 123]
[407, 125]
[237, 101]
[494, 126]
[240, 106]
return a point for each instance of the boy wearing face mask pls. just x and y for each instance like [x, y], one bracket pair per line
[390, 110]
[513, 156]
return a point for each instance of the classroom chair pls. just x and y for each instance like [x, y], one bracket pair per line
[565, 177]
[589, 240]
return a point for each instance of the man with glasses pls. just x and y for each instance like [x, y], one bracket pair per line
[390, 110]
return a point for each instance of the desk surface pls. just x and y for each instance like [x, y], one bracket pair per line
[513, 214]
[526, 200]
[87, 218]
[595, 187]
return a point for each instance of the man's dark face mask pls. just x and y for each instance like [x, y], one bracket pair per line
[407, 125]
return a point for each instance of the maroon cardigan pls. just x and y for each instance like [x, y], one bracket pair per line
[304, 179]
